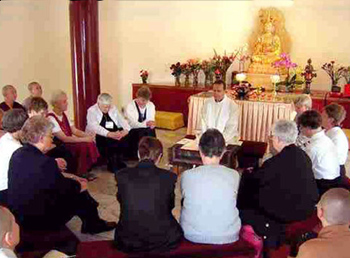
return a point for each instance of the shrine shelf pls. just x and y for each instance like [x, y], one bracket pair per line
[175, 99]
[321, 99]
[169, 98]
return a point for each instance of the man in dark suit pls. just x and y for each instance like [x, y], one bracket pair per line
[146, 197]
[39, 195]
[283, 190]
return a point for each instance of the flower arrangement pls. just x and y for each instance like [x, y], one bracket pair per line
[286, 66]
[176, 71]
[222, 63]
[208, 69]
[241, 90]
[144, 76]
[346, 74]
[186, 70]
[334, 71]
[195, 66]
[242, 56]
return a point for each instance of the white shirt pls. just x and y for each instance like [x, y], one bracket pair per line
[323, 155]
[132, 114]
[341, 142]
[7, 253]
[223, 116]
[94, 117]
[8, 145]
[209, 213]
[56, 127]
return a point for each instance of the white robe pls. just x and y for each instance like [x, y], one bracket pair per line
[223, 116]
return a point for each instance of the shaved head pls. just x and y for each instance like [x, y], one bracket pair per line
[335, 204]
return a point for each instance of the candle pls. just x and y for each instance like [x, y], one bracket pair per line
[275, 78]
[241, 77]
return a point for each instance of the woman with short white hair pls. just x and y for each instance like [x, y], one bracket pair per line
[286, 178]
[111, 129]
[79, 143]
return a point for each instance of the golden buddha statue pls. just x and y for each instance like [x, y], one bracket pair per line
[268, 46]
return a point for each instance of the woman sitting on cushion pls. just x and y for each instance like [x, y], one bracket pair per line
[146, 197]
[79, 143]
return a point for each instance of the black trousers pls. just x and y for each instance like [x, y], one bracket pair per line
[60, 151]
[82, 205]
[323, 185]
[114, 151]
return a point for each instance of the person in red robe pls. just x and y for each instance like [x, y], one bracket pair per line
[10, 95]
[80, 144]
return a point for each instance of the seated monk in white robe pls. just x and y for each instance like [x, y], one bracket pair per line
[221, 113]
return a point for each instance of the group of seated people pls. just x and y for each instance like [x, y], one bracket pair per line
[218, 203]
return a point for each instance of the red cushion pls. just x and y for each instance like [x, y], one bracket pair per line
[295, 229]
[106, 249]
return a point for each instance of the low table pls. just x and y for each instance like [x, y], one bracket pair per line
[248, 155]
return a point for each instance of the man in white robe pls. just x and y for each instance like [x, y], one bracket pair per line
[221, 113]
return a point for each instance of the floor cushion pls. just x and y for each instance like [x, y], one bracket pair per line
[106, 249]
[169, 120]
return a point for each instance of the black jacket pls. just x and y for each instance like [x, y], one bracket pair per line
[38, 194]
[283, 189]
[146, 196]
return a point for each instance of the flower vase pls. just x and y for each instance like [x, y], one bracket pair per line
[241, 67]
[195, 79]
[241, 95]
[177, 81]
[144, 80]
[187, 80]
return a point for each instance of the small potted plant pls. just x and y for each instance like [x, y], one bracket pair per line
[335, 72]
[144, 76]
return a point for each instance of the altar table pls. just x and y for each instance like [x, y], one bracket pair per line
[256, 117]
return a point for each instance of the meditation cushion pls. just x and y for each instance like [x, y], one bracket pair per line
[169, 120]
[106, 249]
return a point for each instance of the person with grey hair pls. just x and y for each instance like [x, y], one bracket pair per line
[79, 143]
[111, 129]
[10, 95]
[286, 178]
[39, 195]
[333, 240]
[302, 103]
